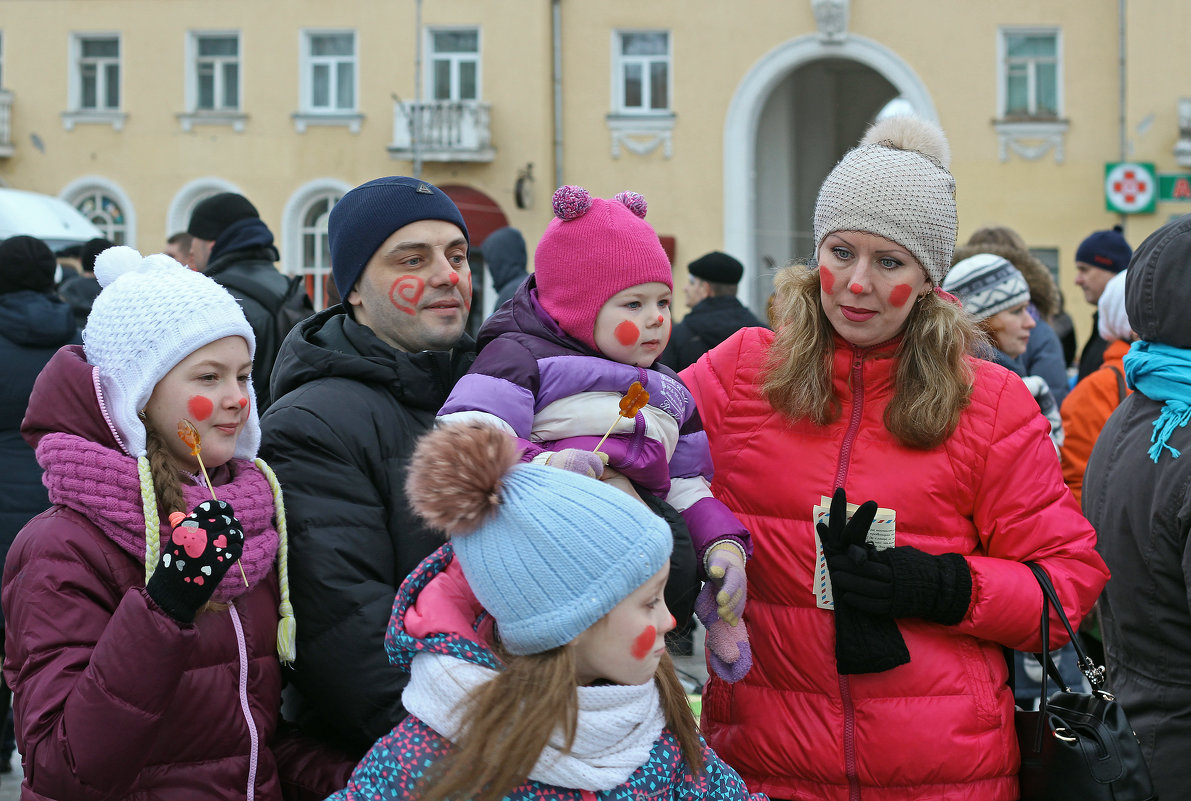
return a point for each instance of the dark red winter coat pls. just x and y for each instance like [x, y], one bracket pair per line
[113, 698]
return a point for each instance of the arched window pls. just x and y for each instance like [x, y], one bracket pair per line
[189, 196]
[307, 250]
[105, 205]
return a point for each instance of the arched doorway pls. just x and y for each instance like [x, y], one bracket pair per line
[800, 108]
[482, 216]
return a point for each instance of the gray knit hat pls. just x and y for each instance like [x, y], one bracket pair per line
[895, 184]
[986, 284]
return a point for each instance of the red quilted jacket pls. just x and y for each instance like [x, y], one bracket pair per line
[940, 726]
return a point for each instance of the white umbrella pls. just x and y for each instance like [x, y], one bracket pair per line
[50, 219]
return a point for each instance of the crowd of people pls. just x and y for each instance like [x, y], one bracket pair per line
[358, 554]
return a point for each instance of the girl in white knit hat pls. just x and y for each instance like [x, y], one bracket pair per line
[148, 609]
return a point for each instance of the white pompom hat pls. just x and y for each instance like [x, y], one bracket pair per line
[151, 314]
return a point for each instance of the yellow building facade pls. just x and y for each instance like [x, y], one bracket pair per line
[726, 116]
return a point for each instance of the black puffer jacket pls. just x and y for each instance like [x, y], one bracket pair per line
[710, 322]
[1141, 510]
[347, 413]
[32, 328]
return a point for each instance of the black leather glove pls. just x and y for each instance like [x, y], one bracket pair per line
[204, 545]
[864, 642]
[902, 582]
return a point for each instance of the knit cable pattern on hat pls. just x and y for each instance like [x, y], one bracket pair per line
[904, 195]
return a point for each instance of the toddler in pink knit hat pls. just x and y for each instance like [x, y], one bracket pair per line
[556, 360]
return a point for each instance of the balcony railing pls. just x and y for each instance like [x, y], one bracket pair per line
[442, 130]
[5, 123]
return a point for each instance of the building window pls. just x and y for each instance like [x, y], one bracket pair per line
[1031, 79]
[454, 64]
[105, 212]
[98, 73]
[642, 78]
[1, 59]
[316, 250]
[216, 71]
[330, 70]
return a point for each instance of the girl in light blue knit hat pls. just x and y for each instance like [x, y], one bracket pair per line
[534, 641]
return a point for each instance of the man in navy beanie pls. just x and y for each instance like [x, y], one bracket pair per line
[354, 387]
[1097, 259]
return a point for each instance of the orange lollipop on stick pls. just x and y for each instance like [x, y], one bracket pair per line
[633, 401]
[190, 435]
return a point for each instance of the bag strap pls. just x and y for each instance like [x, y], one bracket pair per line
[1121, 390]
[1094, 674]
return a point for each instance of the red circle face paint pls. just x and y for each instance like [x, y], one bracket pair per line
[899, 295]
[661, 319]
[243, 402]
[644, 642]
[856, 289]
[826, 279]
[627, 333]
[200, 407]
[454, 279]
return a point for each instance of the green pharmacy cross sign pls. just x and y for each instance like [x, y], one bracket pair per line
[1130, 187]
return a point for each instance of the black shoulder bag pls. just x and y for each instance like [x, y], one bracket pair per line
[1077, 746]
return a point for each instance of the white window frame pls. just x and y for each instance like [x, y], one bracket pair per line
[308, 114]
[219, 63]
[1003, 35]
[455, 59]
[294, 233]
[619, 63]
[75, 112]
[189, 196]
[309, 62]
[220, 115]
[80, 189]
[101, 82]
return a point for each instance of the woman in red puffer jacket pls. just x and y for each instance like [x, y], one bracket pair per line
[878, 672]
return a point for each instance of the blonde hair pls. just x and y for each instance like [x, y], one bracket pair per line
[932, 382]
[161, 488]
[511, 718]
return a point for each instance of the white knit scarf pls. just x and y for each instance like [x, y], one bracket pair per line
[618, 724]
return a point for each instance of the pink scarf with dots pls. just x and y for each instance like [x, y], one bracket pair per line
[104, 486]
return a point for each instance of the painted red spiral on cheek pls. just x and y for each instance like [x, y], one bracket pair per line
[899, 295]
[627, 333]
[826, 279]
[200, 407]
[644, 642]
[406, 292]
[466, 291]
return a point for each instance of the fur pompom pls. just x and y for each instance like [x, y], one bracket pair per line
[635, 202]
[455, 475]
[571, 202]
[907, 132]
[115, 262]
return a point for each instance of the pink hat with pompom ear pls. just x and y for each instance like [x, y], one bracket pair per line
[592, 249]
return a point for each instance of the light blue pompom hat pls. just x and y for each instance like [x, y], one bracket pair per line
[546, 551]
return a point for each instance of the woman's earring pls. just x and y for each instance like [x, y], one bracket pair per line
[141, 414]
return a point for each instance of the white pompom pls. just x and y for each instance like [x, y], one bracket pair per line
[114, 262]
[160, 261]
[907, 132]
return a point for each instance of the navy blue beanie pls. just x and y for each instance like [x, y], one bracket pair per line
[1107, 250]
[369, 214]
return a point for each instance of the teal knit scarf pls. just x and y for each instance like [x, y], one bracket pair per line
[1163, 373]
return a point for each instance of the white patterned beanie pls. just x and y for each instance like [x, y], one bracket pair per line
[986, 284]
[1113, 320]
[151, 314]
[895, 184]
[546, 551]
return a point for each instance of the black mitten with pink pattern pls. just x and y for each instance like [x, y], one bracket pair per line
[204, 545]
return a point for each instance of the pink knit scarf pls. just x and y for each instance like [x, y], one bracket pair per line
[104, 486]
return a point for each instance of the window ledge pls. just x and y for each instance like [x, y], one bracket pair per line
[641, 133]
[349, 120]
[113, 118]
[235, 119]
[1031, 137]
